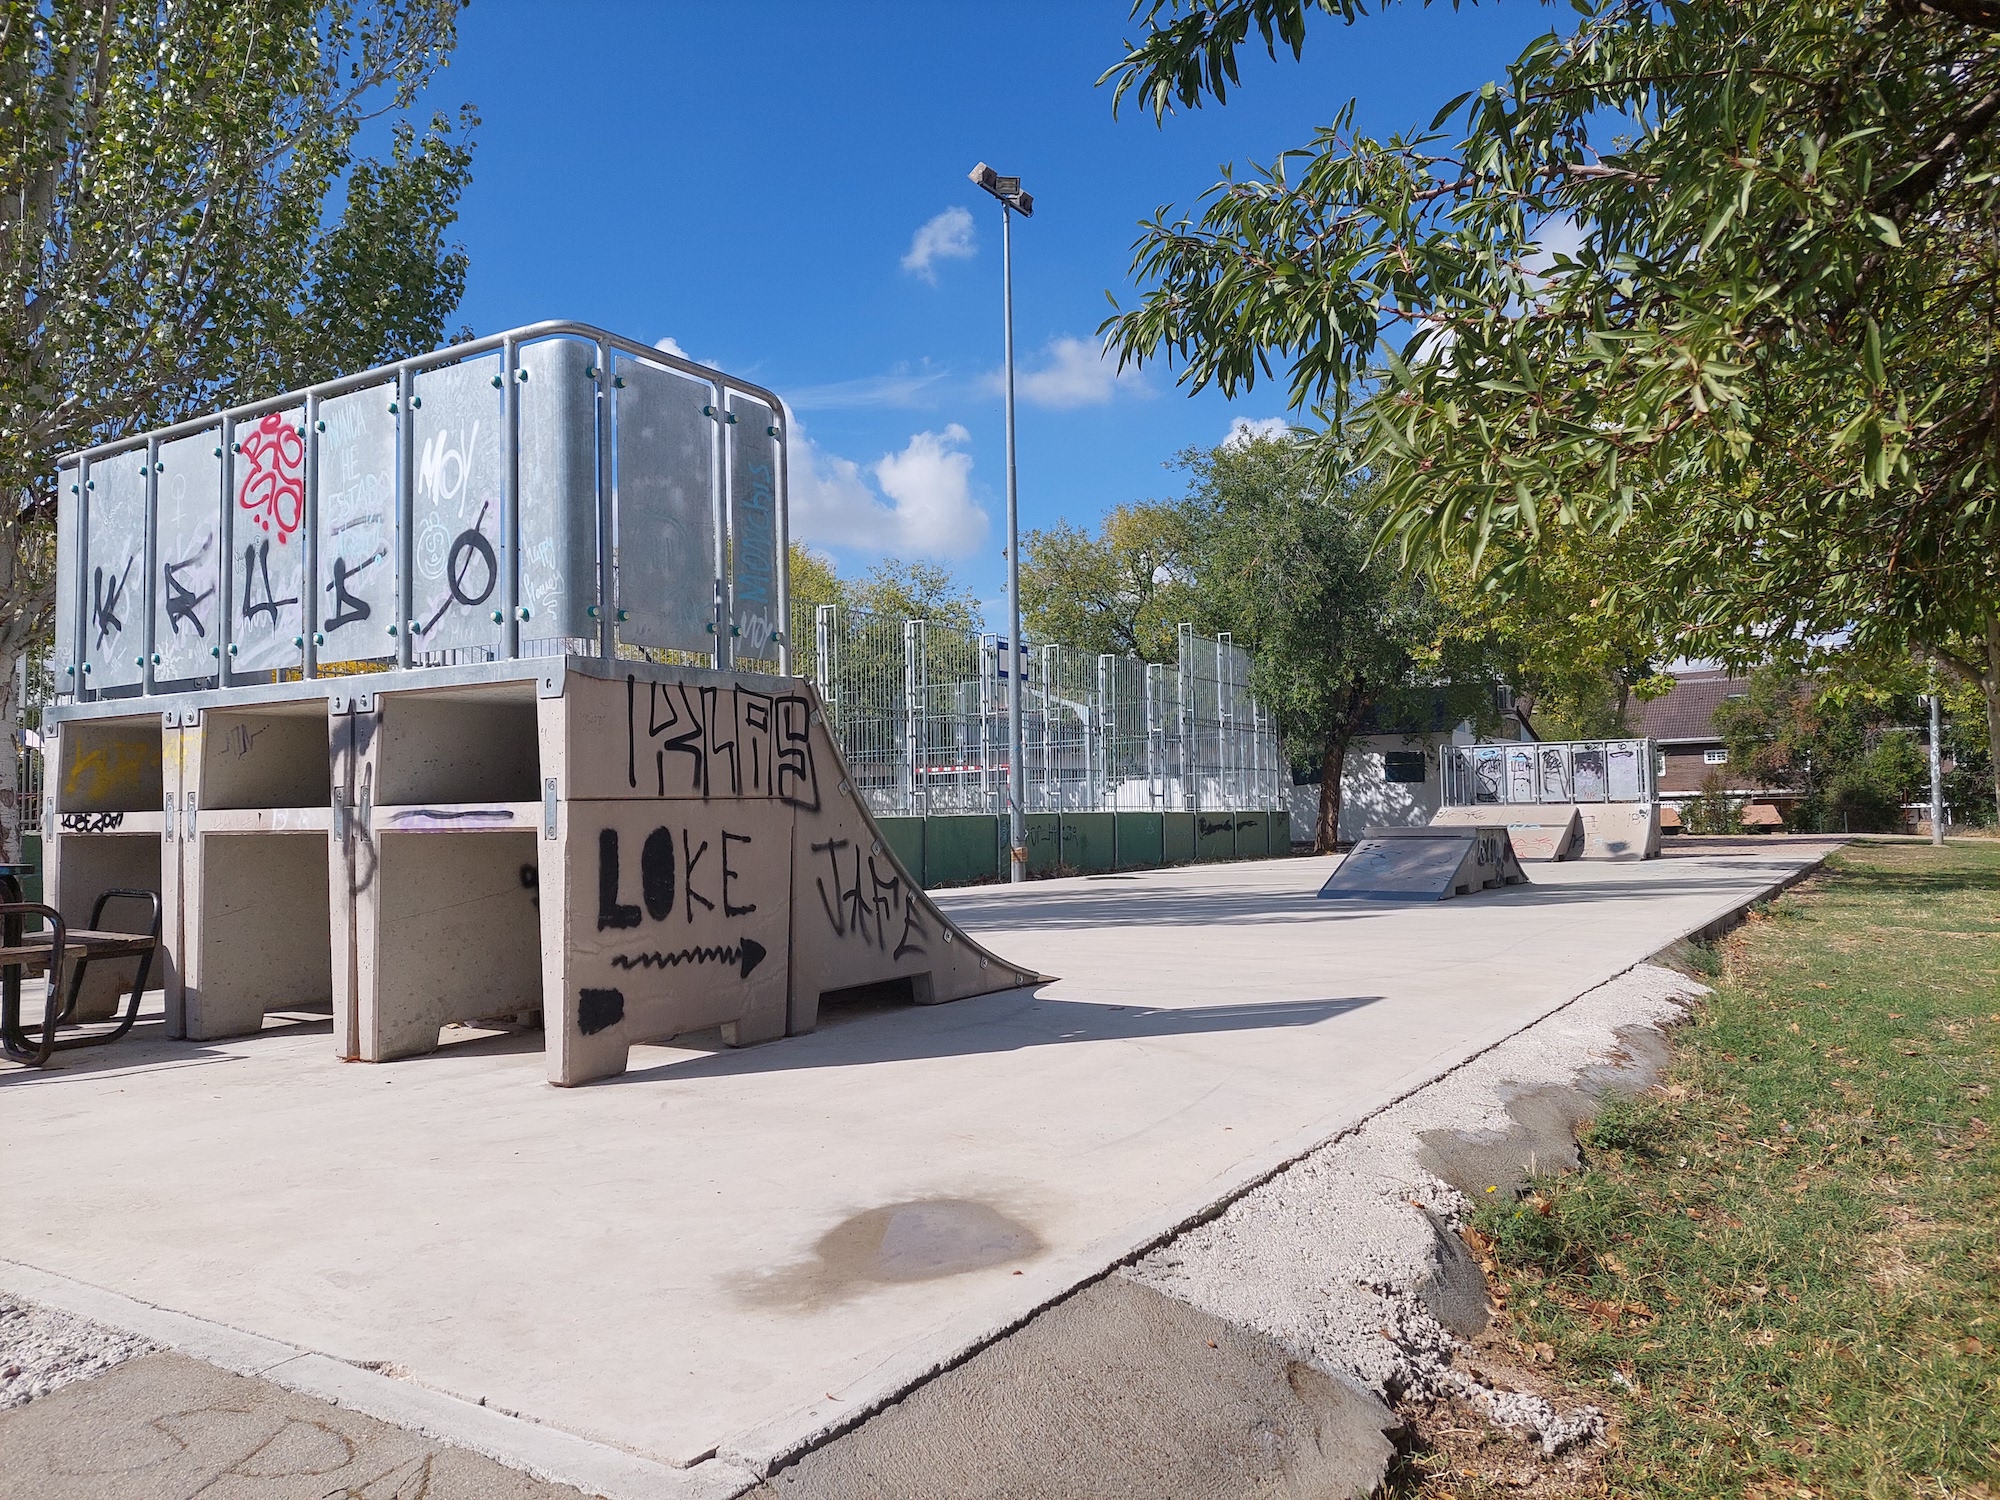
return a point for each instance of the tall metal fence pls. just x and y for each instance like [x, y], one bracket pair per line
[921, 713]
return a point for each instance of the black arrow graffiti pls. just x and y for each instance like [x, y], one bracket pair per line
[749, 953]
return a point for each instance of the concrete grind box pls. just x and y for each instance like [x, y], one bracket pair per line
[635, 851]
[363, 680]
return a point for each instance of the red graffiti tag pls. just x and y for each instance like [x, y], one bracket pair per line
[274, 484]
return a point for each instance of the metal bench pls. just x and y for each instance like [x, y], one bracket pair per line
[49, 952]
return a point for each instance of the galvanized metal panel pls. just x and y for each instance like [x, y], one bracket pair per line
[268, 545]
[187, 554]
[114, 582]
[70, 608]
[455, 513]
[1623, 760]
[665, 511]
[1587, 769]
[357, 526]
[558, 489]
[753, 526]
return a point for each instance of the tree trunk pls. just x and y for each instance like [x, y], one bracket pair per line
[1333, 761]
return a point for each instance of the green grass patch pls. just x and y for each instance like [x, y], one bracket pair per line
[1780, 1271]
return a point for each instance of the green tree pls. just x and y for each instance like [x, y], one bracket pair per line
[1722, 267]
[919, 591]
[1283, 561]
[1120, 592]
[166, 246]
[1841, 740]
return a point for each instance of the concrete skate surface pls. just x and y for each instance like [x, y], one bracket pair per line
[723, 1256]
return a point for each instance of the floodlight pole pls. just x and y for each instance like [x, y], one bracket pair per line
[1008, 191]
[1937, 775]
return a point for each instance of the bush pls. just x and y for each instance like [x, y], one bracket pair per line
[1712, 811]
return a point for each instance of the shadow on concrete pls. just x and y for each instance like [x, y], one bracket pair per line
[147, 1047]
[1008, 1022]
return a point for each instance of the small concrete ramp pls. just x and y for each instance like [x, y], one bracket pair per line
[1425, 864]
[1554, 832]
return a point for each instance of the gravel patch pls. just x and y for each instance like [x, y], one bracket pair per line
[1351, 1257]
[42, 1350]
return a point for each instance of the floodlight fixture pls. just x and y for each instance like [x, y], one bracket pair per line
[1006, 189]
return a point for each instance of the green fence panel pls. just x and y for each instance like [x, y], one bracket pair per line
[1177, 844]
[1214, 836]
[1139, 846]
[1088, 841]
[1281, 834]
[1253, 835]
[1043, 832]
[906, 837]
[963, 848]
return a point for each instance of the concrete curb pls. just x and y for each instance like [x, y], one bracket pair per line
[781, 1440]
[544, 1452]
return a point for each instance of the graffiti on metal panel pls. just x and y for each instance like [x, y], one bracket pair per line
[273, 490]
[347, 610]
[471, 569]
[720, 741]
[104, 603]
[183, 603]
[256, 569]
[867, 911]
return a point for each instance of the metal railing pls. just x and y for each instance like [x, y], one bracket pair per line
[554, 489]
[1550, 771]
[920, 711]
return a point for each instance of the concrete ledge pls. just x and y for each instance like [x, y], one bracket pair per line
[541, 1451]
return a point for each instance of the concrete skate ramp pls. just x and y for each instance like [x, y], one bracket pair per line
[1425, 864]
[1542, 833]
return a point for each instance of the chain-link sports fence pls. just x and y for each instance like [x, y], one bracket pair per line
[921, 712]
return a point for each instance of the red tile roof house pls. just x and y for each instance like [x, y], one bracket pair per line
[1682, 724]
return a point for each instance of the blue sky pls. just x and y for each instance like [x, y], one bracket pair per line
[755, 183]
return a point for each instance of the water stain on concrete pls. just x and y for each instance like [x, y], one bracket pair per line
[921, 1239]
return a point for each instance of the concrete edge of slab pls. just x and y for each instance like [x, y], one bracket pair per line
[770, 1445]
[545, 1452]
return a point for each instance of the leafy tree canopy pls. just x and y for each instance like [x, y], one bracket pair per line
[1121, 592]
[1721, 269]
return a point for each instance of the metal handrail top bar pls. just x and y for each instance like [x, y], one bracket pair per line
[450, 354]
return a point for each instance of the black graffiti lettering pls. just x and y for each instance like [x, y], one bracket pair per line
[737, 742]
[836, 905]
[183, 603]
[104, 605]
[755, 709]
[347, 610]
[688, 862]
[915, 936]
[256, 565]
[687, 742]
[609, 912]
[656, 874]
[797, 777]
[886, 895]
[729, 908]
[92, 822]
[464, 547]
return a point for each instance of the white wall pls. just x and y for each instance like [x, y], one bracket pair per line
[1368, 798]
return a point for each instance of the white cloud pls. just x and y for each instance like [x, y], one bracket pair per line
[1073, 372]
[671, 345]
[920, 505]
[946, 236]
[1246, 430]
